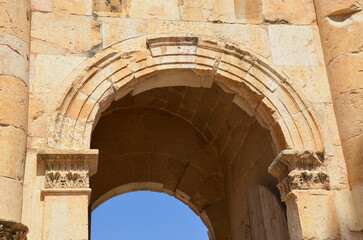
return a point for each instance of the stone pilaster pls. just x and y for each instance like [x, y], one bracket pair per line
[66, 192]
[303, 185]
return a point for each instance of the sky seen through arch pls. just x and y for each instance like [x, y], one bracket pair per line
[146, 216]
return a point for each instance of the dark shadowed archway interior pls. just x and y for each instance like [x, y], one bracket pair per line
[194, 144]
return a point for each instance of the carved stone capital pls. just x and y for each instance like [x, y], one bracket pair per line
[298, 170]
[10, 230]
[68, 169]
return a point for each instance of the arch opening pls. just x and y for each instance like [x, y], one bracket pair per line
[195, 144]
[209, 160]
[146, 215]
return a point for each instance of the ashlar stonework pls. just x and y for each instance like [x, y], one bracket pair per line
[248, 111]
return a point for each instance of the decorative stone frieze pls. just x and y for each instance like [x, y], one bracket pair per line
[10, 230]
[68, 169]
[58, 177]
[298, 170]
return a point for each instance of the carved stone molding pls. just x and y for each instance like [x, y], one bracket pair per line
[10, 230]
[67, 169]
[298, 170]
[75, 178]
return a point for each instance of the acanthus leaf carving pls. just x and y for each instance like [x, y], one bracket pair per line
[68, 169]
[67, 179]
[10, 230]
[298, 171]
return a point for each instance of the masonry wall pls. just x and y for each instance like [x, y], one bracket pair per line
[63, 34]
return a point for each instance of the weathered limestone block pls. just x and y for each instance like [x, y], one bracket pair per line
[353, 153]
[311, 81]
[237, 11]
[156, 26]
[350, 66]
[293, 45]
[49, 73]
[62, 34]
[337, 7]
[41, 5]
[117, 29]
[167, 10]
[252, 37]
[14, 57]
[192, 10]
[341, 35]
[12, 152]
[14, 18]
[310, 215]
[13, 98]
[72, 208]
[79, 7]
[249, 11]
[350, 109]
[280, 11]
[114, 8]
[347, 215]
[334, 159]
[11, 196]
[37, 118]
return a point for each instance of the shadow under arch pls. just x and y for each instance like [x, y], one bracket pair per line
[152, 187]
[259, 87]
[145, 138]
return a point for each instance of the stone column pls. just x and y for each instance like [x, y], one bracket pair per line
[14, 65]
[340, 24]
[303, 185]
[66, 192]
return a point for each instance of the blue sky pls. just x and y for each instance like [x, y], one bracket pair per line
[146, 216]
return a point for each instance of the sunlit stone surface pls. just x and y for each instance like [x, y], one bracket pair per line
[248, 111]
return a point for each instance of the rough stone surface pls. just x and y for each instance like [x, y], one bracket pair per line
[12, 192]
[279, 11]
[191, 98]
[13, 142]
[41, 5]
[54, 33]
[118, 29]
[13, 98]
[292, 45]
[14, 18]
[78, 7]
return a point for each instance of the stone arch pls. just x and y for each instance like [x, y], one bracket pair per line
[160, 149]
[260, 88]
[152, 187]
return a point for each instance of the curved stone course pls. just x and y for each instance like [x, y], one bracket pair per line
[259, 88]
